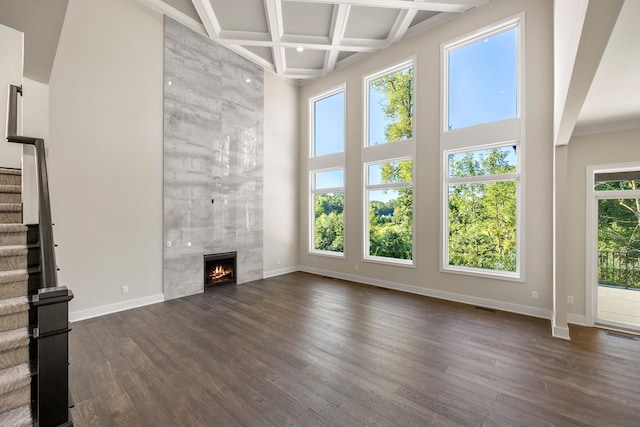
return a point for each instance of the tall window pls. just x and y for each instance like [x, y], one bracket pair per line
[326, 167]
[482, 145]
[389, 199]
[388, 165]
[328, 210]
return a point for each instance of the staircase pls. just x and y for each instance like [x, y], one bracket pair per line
[15, 371]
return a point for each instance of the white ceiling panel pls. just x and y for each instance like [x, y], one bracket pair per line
[307, 18]
[422, 16]
[241, 15]
[370, 22]
[263, 52]
[344, 55]
[309, 59]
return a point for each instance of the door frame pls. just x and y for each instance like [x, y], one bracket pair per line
[591, 246]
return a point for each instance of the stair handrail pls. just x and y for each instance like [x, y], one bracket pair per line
[49, 269]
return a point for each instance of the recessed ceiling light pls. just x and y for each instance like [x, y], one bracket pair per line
[169, 82]
[248, 80]
[300, 49]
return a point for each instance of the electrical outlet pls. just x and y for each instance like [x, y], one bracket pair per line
[278, 262]
[168, 243]
[534, 294]
[189, 244]
[570, 299]
[125, 289]
[357, 267]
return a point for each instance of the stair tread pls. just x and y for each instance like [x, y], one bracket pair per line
[13, 276]
[13, 305]
[19, 417]
[10, 207]
[13, 228]
[14, 250]
[8, 171]
[14, 338]
[14, 377]
[7, 188]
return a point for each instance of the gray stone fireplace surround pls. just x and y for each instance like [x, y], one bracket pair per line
[213, 114]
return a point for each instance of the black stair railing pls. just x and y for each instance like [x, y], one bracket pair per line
[49, 313]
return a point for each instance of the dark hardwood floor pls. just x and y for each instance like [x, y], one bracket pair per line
[304, 350]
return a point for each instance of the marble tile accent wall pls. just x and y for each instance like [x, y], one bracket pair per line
[213, 115]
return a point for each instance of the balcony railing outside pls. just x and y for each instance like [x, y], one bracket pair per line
[621, 269]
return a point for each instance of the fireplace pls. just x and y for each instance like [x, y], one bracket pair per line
[220, 269]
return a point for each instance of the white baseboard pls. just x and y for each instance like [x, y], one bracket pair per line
[76, 316]
[561, 332]
[577, 319]
[450, 296]
[280, 272]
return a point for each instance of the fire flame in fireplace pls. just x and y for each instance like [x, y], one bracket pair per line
[220, 274]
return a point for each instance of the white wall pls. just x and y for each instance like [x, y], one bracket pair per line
[105, 158]
[280, 175]
[35, 109]
[426, 277]
[589, 150]
[11, 59]
[105, 154]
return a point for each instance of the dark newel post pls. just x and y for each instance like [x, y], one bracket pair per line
[52, 347]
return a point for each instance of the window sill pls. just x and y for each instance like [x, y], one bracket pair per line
[488, 274]
[328, 254]
[390, 261]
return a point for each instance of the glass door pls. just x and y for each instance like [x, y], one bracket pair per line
[618, 249]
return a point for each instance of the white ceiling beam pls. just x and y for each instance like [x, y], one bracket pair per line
[598, 24]
[305, 39]
[302, 73]
[401, 25]
[245, 35]
[276, 28]
[453, 6]
[274, 18]
[371, 43]
[208, 17]
[338, 28]
[173, 13]
[310, 46]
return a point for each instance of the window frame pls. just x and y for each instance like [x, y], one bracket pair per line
[388, 152]
[484, 136]
[387, 186]
[325, 163]
[312, 220]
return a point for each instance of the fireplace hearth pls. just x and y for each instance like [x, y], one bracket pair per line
[220, 269]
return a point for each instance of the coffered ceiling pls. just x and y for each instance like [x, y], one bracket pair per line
[305, 39]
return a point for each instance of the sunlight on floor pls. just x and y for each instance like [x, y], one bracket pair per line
[619, 305]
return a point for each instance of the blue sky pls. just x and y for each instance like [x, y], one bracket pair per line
[329, 125]
[329, 179]
[483, 81]
[377, 120]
